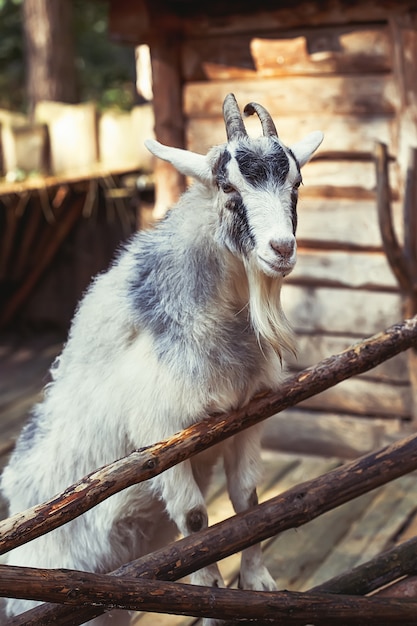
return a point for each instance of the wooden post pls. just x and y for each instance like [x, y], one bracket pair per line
[410, 232]
[404, 37]
[151, 22]
[402, 259]
[169, 119]
[410, 254]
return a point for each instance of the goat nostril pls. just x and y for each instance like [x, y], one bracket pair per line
[285, 248]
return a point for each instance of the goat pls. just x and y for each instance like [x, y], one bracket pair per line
[186, 322]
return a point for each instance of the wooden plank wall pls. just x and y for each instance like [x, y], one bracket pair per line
[339, 79]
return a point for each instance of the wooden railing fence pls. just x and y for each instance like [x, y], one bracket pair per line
[402, 257]
[146, 584]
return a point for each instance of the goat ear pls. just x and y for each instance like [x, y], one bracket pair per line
[305, 148]
[186, 162]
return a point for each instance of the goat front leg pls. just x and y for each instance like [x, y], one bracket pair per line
[243, 467]
[185, 505]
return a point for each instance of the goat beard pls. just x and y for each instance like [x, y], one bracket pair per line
[267, 317]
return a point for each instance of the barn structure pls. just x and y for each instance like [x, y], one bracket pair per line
[348, 69]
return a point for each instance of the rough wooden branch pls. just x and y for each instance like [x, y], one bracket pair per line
[288, 510]
[390, 243]
[389, 239]
[402, 262]
[179, 599]
[410, 216]
[143, 464]
[410, 236]
[379, 571]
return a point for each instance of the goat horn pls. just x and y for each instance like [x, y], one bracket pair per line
[268, 125]
[235, 127]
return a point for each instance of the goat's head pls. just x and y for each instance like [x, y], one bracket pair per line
[253, 183]
[256, 185]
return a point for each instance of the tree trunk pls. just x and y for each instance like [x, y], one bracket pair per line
[50, 52]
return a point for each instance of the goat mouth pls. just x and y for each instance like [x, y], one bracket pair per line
[276, 267]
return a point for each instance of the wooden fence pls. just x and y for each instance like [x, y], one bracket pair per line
[141, 585]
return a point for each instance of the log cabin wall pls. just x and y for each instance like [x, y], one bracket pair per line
[349, 70]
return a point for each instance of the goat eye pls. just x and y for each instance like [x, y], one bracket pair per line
[297, 184]
[227, 188]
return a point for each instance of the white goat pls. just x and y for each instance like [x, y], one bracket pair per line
[186, 322]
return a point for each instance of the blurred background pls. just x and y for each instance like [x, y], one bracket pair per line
[84, 83]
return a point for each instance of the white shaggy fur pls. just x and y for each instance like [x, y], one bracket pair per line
[187, 321]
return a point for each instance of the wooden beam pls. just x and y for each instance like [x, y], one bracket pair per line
[168, 112]
[291, 509]
[129, 21]
[392, 248]
[279, 607]
[401, 259]
[379, 571]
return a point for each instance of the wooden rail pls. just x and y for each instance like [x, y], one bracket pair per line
[288, 510]
[401, 258]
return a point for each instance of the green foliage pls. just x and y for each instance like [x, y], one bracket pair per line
[106, 71]
[12, 80]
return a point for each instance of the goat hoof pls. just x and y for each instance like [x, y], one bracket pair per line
[260, 580]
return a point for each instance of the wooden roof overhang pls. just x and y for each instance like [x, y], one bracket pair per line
[141, 21]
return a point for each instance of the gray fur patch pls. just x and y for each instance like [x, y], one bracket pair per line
[258, 168]
[240, 233]
[236, 224]
[170, 282]
[220, 169]
[294, 216]
[174, 292]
